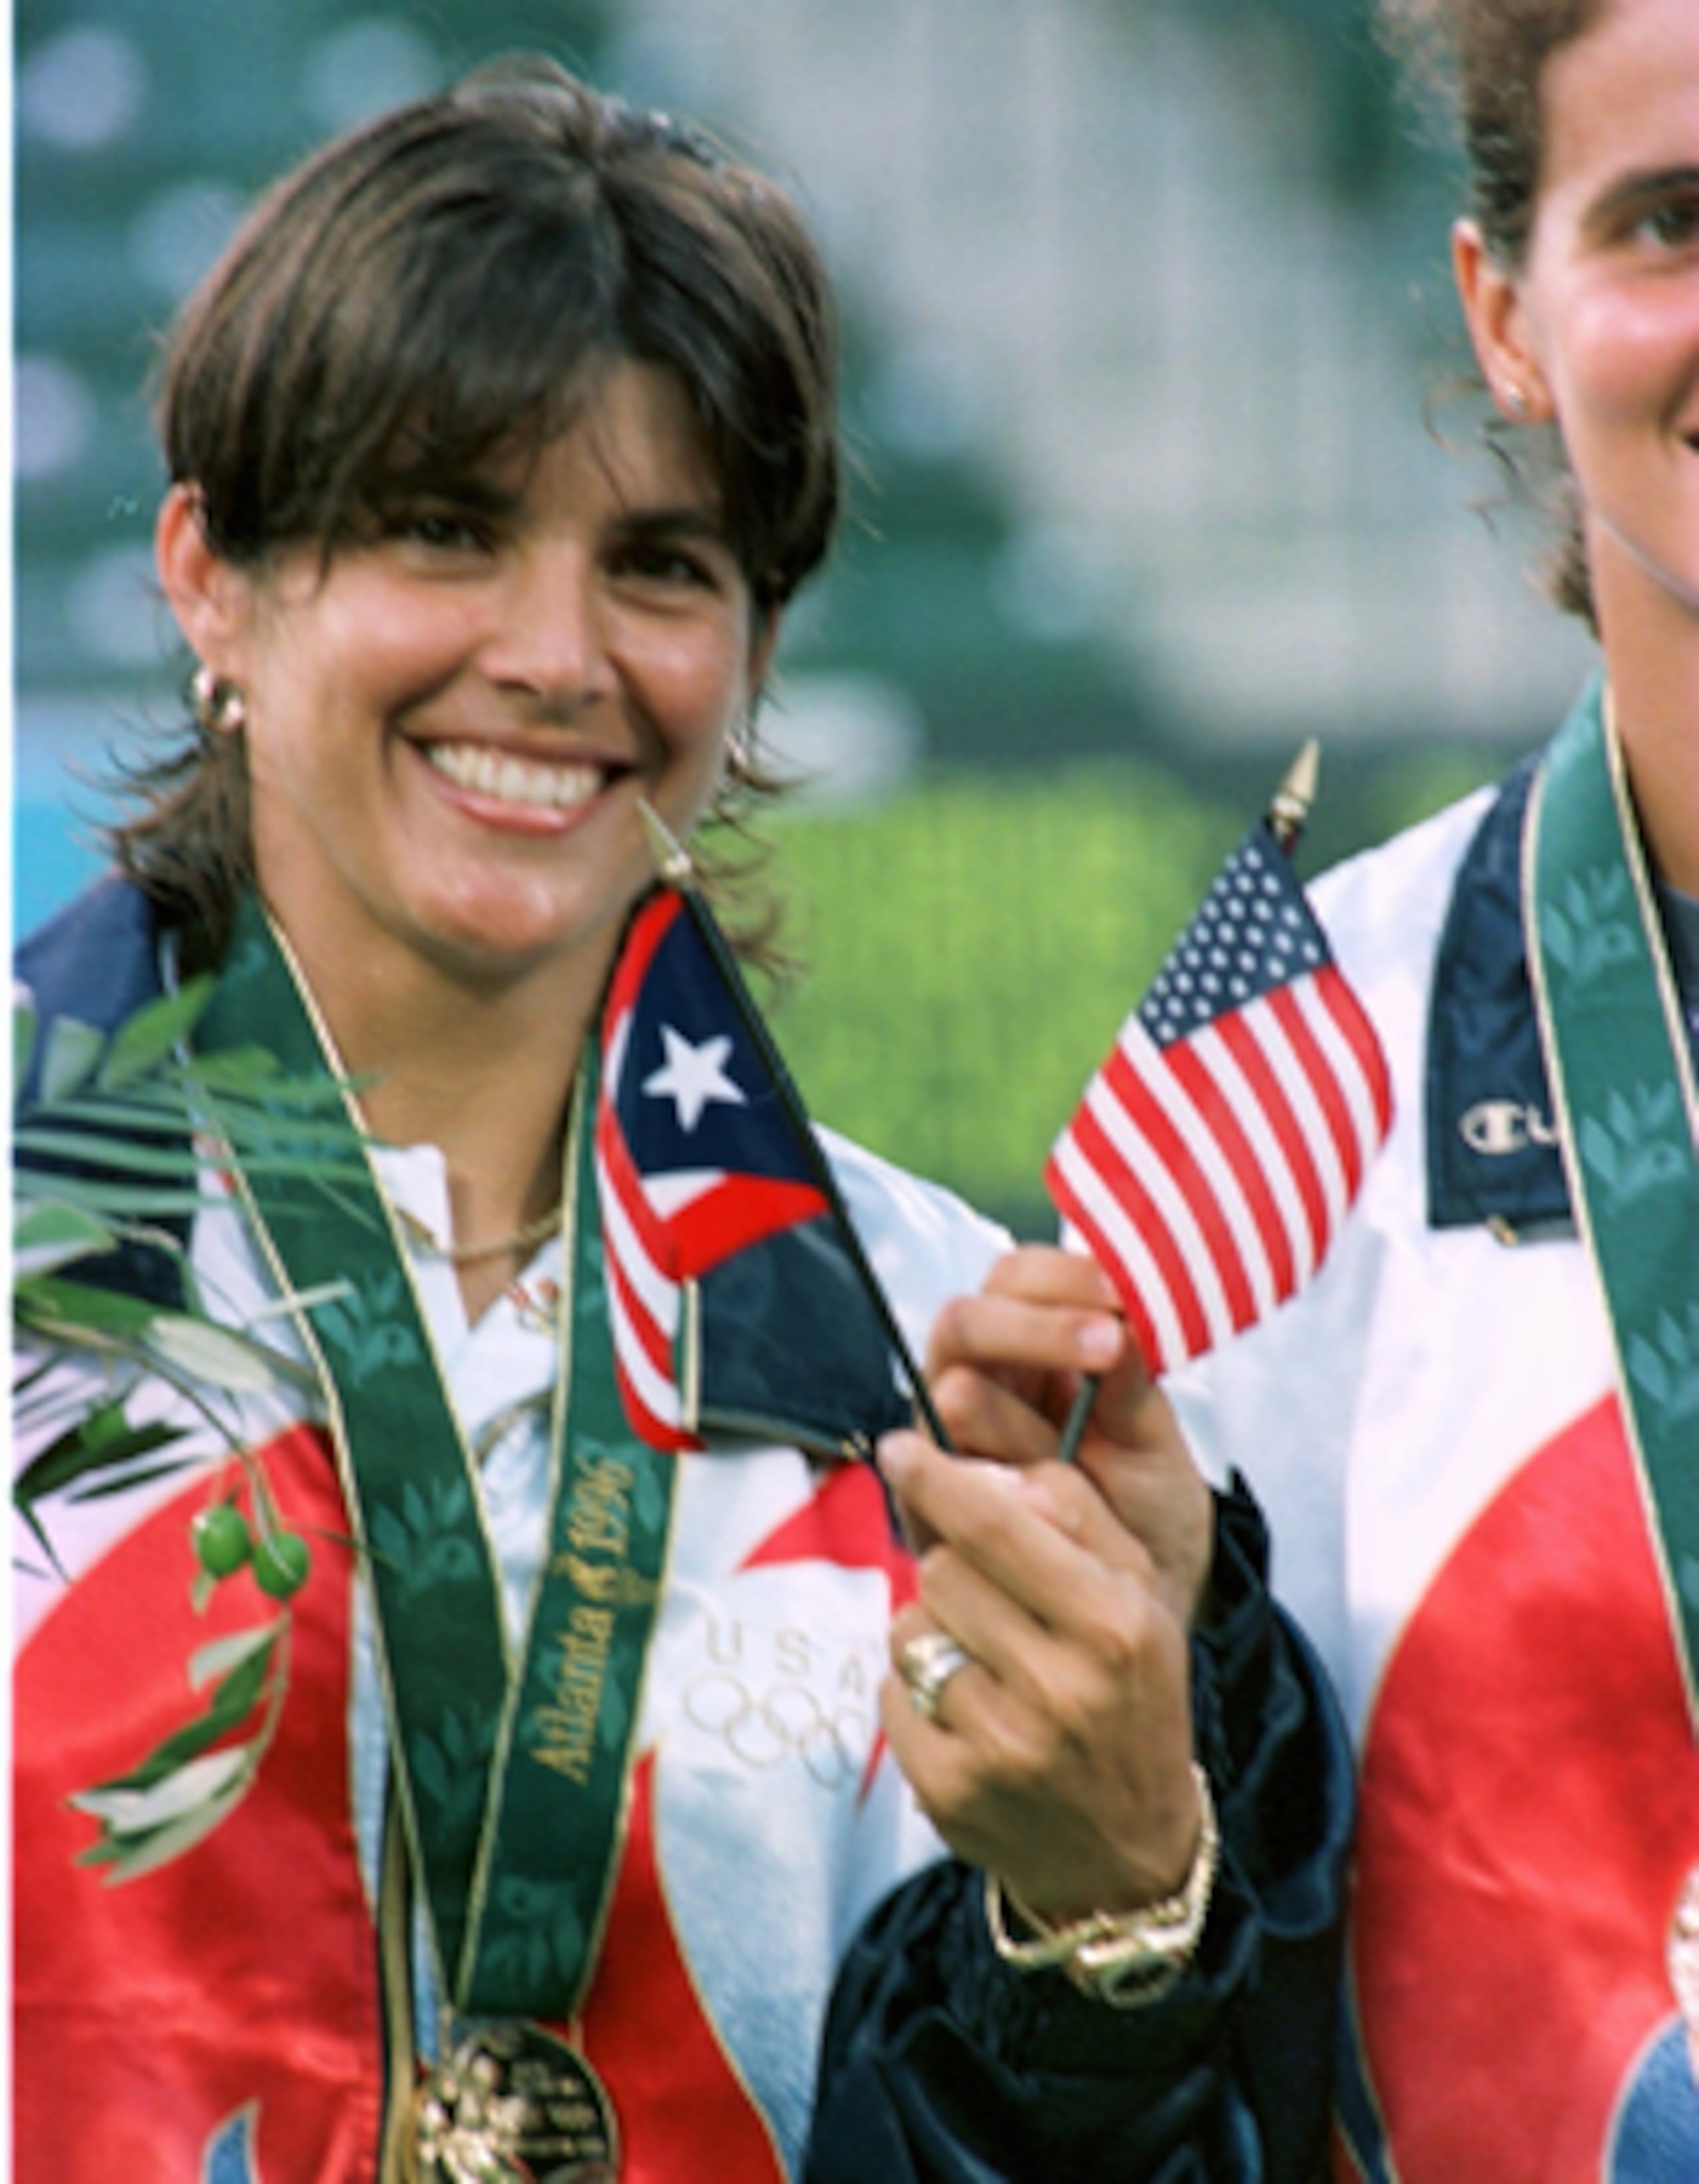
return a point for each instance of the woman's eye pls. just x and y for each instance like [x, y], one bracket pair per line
[435, 529]
[1673, 225]
[443, 531]
[657, 563]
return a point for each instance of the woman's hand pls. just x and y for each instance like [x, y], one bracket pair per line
[1058, 1757]
[1004, 1366]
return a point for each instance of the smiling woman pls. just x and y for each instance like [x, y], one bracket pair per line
[504, 430]
[1476, 1432]
[1595, 329]
[449, 728]
[466, 1462]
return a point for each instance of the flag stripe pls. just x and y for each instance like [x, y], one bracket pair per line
[1146, 1198]
[1267, 1069]
[651, 1386]
[1118, 1247]
[644, 1366]
[644, 1315]
[1340, 1095]
[1340, 1007]
[1270, 1250]
[1150, 1150]
[1322, 1113]
[642, 1297]
[1218, 1095]
[632, 1230]
[658, 1432]
[1236, 1067]
[650, 1305]
[1339, 1065]
[1163, 1102]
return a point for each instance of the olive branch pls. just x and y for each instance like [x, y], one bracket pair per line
[113, 1155]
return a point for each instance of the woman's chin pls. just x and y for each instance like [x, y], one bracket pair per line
[502, 932]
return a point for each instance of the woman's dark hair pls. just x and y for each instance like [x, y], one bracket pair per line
[443, 284]
[1487, 59]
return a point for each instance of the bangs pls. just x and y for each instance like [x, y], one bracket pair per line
[494, 365]
[473, 339]
[441, 292]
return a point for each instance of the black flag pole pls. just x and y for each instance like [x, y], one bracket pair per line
[1287, 809]
[673, 863]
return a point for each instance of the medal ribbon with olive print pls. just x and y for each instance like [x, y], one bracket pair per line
[512, 1770]
[1621, 1066]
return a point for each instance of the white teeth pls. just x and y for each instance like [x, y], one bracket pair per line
[514, 780]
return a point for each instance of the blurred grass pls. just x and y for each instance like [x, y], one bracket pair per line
[971, 947]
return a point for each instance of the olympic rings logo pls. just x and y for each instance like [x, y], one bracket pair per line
[787, 1721]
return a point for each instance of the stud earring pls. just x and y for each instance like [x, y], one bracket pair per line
[219, 706]
[1516, 399]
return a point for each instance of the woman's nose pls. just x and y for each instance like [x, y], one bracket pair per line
[552, 634]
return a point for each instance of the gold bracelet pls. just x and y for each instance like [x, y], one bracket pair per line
[1122, 1958]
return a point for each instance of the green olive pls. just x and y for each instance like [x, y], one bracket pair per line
[281, 1562]
[221, 1539]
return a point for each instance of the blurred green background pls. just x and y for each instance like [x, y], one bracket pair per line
[1144, 308]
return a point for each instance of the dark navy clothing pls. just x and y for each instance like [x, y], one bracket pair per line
[940, 2065]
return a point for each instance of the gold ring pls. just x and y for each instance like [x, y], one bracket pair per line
[925, 1664]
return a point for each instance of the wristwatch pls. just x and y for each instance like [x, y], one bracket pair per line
[1124, 1958]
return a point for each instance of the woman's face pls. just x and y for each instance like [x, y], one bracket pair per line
[450, 729]
[1599, 331]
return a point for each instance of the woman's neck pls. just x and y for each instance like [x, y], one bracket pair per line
[483, 1071]
[1654, 681]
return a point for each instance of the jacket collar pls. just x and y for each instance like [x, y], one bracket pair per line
[97, 962]
[1493, 1155]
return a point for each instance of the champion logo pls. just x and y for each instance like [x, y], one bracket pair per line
[1494, 1127]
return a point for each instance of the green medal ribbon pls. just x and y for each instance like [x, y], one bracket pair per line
[512, 1770]
[1617, 1053]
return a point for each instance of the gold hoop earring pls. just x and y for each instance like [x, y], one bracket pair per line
[218, 704]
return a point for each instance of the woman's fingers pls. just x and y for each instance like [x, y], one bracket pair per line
[1041, 1312]
[1006, 1365]
[1040, 1699]
[1040, 1703]
[995, 1418]
[1032, 1532]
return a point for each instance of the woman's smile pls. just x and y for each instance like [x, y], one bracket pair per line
[524, 787]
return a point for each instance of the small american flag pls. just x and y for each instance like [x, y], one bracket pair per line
[1218, 1149]
[697, 1156]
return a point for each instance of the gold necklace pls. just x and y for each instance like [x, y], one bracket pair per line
[469, 1255]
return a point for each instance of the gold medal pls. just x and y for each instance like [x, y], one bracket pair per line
[511, 2104]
